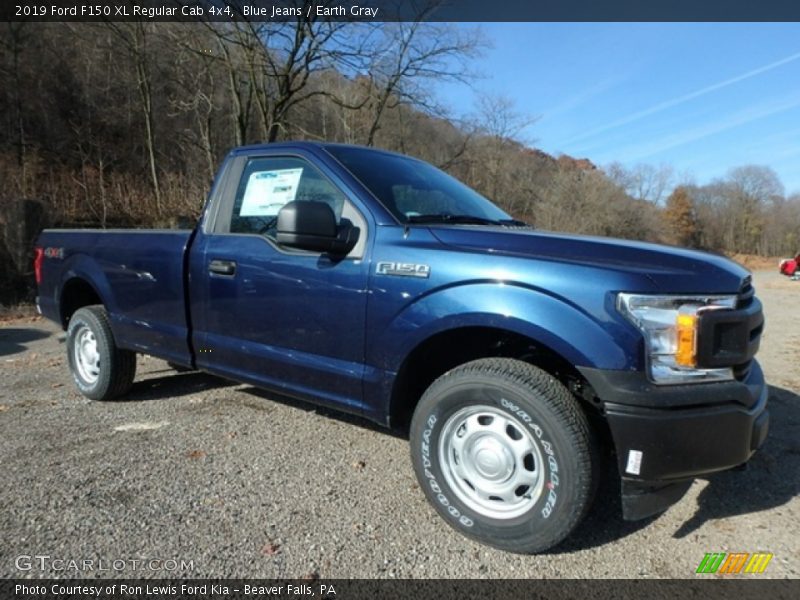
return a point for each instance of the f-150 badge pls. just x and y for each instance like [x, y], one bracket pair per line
[403, 269]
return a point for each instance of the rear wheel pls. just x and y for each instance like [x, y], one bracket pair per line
[505, 454]
[100, 369]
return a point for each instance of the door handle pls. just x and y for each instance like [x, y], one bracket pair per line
[222, 267]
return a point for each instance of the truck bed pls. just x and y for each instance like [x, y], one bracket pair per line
[138, 274]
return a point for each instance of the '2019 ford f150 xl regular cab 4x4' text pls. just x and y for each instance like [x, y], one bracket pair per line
[376, 284]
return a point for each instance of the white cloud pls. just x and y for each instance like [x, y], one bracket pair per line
[638, 152]
[581, 97]
[681, 99]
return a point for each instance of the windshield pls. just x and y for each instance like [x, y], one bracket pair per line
[416, 192]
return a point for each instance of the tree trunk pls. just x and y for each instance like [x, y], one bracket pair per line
[145, 93]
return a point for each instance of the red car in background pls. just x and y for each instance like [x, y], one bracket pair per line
[791, 267]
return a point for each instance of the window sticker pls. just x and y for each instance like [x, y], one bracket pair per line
[268, 191]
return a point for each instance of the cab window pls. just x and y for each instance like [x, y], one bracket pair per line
[267, 184]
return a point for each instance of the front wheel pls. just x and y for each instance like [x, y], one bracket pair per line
[505, 454]
[100, 369]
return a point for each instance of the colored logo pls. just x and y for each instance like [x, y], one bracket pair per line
[733, 563]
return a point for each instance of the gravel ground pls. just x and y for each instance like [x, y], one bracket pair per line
[197, 469]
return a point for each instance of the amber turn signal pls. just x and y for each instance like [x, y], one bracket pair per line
[686, 325]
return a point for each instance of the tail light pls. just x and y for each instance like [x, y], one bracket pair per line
[38, 259]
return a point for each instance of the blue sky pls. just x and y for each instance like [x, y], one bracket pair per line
[702, 98]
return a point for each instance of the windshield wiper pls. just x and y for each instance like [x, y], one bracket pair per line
[463, 220]
[455, 219]
[514, 223]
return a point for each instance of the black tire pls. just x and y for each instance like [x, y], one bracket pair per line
[497, 418]
[105, 373]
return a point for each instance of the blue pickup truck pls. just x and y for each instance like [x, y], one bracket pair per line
[376, 284]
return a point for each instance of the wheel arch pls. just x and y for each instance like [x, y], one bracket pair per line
[447, 349]
[76, 293]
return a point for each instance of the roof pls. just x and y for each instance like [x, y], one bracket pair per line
[306, 145]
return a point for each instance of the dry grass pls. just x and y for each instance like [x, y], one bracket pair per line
[20, 311]
[756, 263]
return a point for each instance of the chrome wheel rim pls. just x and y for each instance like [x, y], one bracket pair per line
[87, 358]
[491, 462]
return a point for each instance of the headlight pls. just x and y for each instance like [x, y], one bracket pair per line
[669, 326]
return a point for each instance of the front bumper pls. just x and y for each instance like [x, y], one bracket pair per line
[665, 436]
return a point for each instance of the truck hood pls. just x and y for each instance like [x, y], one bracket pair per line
[670, 269]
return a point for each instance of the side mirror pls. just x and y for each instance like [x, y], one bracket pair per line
[312, 226]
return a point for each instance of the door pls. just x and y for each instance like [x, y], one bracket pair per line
[288, 320]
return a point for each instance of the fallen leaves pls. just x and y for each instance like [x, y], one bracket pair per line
[195, 455]
[24, 313]
[270, 549]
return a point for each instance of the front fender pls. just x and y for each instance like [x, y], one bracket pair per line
[579, 337]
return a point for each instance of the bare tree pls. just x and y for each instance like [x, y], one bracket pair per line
[745, 213]
[752, 190]
[274, 63]
[499, 135]
[240, 88]
[410, 58]
[757, 183]
[14, 44]
[643, 181]
[196, 92]
[136, 38]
